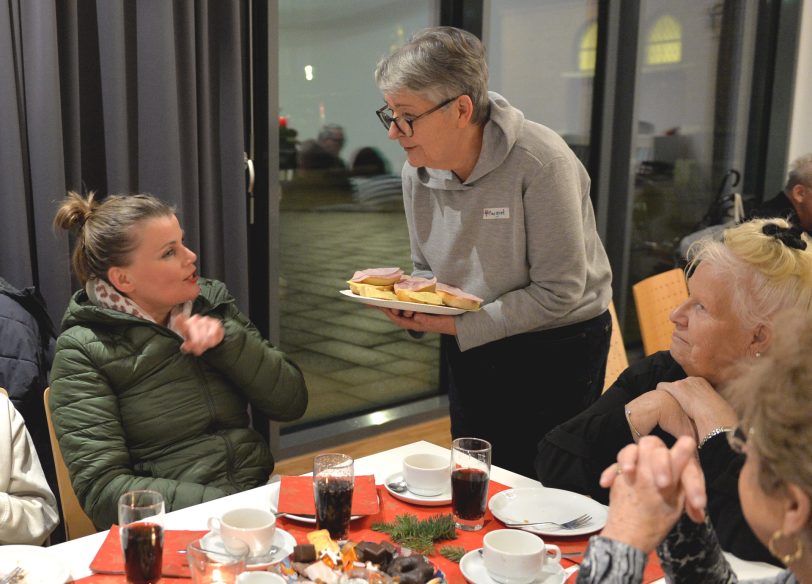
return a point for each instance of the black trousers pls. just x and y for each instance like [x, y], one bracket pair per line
[511, 392]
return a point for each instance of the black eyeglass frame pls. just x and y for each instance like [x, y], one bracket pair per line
[388, 120]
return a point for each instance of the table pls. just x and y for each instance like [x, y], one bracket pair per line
[78, 554]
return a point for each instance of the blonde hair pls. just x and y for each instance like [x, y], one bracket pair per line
[104, 230]
[772, 397]
[765, 274]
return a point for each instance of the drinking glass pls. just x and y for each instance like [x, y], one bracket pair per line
[470, 474]
[210, 564]
[333, 481]
[141, 521]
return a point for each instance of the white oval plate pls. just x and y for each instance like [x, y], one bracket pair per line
[472, 567]
[284, 541]
[443, 498]
[41, 566]
[531, 504]
[400, 305]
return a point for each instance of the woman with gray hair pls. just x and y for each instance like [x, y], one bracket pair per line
[795, 201]
[737, 287]
[498, 206]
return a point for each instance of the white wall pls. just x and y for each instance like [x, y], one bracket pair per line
[800, 141]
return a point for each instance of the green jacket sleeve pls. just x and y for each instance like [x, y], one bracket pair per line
[93, 443]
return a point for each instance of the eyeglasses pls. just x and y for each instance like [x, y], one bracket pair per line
[406, 125]
[737, 439]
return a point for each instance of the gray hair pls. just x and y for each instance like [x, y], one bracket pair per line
[439, 63]
[800, 173]
[764, 275]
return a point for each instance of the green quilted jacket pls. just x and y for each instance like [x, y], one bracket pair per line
[133, 412]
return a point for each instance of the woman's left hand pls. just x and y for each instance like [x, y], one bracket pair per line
[201, 333]
[702, 403]
[422, 322]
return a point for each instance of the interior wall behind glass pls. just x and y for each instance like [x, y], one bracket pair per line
[342, 42]
[541, 58]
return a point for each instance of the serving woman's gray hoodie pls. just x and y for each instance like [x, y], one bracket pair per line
[519, 232]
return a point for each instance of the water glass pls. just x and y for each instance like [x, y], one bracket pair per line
[333, 482]
[141, 521]
[470, 474]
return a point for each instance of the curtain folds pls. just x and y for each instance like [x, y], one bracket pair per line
[121, 97]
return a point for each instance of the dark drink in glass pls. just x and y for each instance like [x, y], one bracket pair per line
[334, 506]
[470, 473]
[143, 546]
[469, 493]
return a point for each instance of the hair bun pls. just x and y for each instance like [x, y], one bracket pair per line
[75, 211]
[789, 236]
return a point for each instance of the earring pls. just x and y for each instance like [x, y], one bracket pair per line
[758, 354]
[788, 558]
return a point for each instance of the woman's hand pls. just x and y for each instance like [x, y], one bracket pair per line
[201, 333]
[659, 408]
[702, 403]
[420, 321]
[651, 492]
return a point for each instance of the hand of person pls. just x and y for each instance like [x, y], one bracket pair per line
[200, 333]
[422, 322]
[659, 408]
[646, 501]
[702, 403]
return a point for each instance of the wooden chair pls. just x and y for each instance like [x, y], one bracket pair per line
[655, 298]
[617, 362]
[77, 523]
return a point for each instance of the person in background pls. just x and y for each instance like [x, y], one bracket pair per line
[323, 153]
[155, 367]
[737, 287]
[658, 495]
[795, 202]
[498, 206]
[28, 511]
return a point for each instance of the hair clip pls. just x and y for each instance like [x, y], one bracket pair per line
[789, 236]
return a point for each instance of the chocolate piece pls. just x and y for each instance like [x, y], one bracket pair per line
[374, 552]
[412, 569]
[304, 553]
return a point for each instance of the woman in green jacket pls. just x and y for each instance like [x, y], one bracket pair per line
[155, 367]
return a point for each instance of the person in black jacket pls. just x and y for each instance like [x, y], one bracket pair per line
[795, 201]
[736, 289]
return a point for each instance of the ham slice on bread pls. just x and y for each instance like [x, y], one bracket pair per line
[456, 298]
[377, 276]
[416, 284]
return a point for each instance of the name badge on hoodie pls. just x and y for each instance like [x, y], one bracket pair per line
[496, 213]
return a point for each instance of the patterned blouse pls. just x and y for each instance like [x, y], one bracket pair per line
[690, 553]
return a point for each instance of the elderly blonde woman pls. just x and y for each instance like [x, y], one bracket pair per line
[499, 206]
[736, 289]
[654, 486]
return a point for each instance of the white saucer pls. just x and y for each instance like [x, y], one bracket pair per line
[526, 505]
[443, 498]
[472, 567]
[284, 542]
[41, 566]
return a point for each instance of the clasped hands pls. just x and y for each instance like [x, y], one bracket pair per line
[651, 486]
[200, 333]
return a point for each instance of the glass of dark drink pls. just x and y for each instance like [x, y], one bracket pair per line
[470, 473]
[333, 482]
[141, 522]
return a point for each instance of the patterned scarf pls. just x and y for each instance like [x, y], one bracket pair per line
[104, 295]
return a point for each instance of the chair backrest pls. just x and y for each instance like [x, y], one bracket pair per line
[617, 362]
[77, 523]
[655, 298]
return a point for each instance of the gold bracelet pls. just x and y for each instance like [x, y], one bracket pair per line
[632, 426]
[712, 433]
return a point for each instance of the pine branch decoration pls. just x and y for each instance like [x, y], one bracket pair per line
[419, 535]
[452, 552]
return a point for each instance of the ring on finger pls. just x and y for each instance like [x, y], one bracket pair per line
[618, 469]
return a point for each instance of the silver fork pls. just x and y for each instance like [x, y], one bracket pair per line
[571, 524]
[12, 576]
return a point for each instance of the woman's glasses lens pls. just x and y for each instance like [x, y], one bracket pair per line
[387, 120]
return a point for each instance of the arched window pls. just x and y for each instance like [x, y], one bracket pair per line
[588, 49]
[664, 42]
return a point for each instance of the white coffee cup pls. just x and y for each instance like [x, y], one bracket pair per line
[513, 556]
[254, 527]
[260, 578]
[427, 474]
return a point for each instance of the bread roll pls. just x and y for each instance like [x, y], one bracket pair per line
[377, 276]
[456, 298]
[421, 297]
[370, 291]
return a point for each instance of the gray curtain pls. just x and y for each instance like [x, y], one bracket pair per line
[121, 97]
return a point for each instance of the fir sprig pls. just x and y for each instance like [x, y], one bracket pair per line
[452, 552]
[419, 535]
